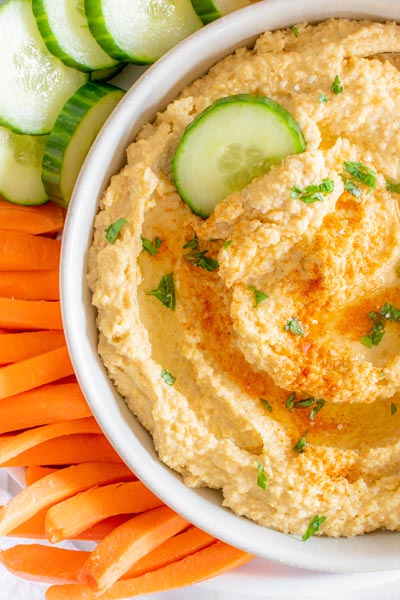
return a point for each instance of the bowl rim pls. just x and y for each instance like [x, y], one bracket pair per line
[379, 551]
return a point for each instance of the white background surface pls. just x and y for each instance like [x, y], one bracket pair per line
[297, 584]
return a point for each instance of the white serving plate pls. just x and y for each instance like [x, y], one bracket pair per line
[161, 83]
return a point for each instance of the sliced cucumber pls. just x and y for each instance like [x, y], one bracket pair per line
[65, 31]
[74, 132]
[234, 140]
[106, 74]
[140, 31]
[209, 10]
[20, 166]
[34, 84]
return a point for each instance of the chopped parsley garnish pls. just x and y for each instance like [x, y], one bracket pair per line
[352, 188]
[168, 378]
[227, 244]
[151, 247]
[294, 326]
[259, 295]
[262, 478]
[390, 312]
[266, 404]
[313, 527]
[199, 259]
[393, 187]
[313, 193]
[314, 404]
[398, 270]
[295, 31]
[393, 408]
[290, 402]
[318, 405]
[323, 98]
[375, 334]
[193, 243]
[300, 446]
[165, 291]
[361, 173]
[336, 86]
[113, 230]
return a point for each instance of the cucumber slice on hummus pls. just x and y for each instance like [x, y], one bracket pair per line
[209, 10]
[140, 31]
[72, 136]
[232, 141]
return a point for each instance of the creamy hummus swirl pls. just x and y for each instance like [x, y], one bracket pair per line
[239, 368]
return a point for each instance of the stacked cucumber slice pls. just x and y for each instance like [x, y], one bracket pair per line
[55, 54]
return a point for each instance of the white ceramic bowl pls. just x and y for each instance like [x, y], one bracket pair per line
[159, 85]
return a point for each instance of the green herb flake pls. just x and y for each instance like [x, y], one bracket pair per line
[165, 292]
[313, 527]
[300, 446]
[113, 230]
[262, 477]
[318, 405]
[323, 98]
[227, 244]
[259, 295]
[168, 378]
[290, 402]
[361, 173]
[398, 270]
[151, 247]
[313, 193]
[352, 188]
[375, 335]
[393, 408]
[393, 187]
[193, 243]
[294, 326]
[295, 31]
[199, 259]
[382, 374]
[306, 403]
[336, 86]
[266, 404]
[390, 312]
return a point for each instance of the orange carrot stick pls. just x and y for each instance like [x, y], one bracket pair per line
[57, 486]
[177, 547]
[69, 518]
[12, 445]
[42, 406]
[34, 372]
[29, 314]
[26, 252]
[68, 450]
[20, 346]
[29, 285]
[209, 562]
[34, 528]
[127, 544]
[43, 563]
[36, 473]
[48, 218]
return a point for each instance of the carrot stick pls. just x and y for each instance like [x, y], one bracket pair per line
[57, 486]
[12, 445]
[34, 372]
[68, 450]
[69, 518]
[177, 547]
[20, 346]
[127, 544]
[43, 563]
[48, 218]
[36, 473]
[42, 406]
[29, 314]
[29, 285]
[206, 563]
[34, 528]
[26, 252]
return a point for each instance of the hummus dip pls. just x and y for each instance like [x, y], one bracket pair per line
[287, 403]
